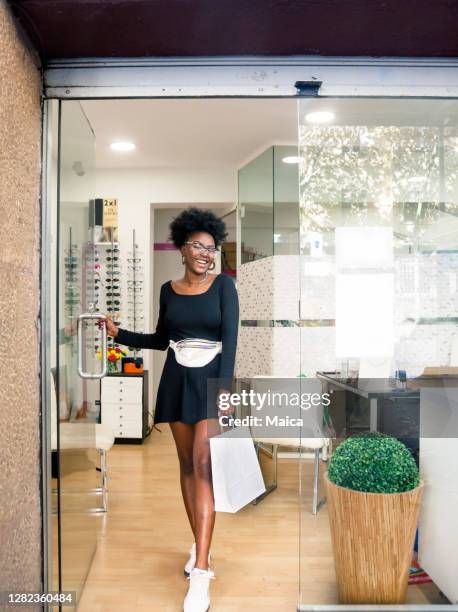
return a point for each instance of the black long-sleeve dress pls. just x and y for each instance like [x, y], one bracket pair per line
[188, 394]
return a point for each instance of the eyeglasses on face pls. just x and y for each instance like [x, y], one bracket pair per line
[199, 248]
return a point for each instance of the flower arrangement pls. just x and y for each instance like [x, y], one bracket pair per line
[114, 355]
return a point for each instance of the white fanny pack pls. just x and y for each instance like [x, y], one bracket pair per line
[195, 352]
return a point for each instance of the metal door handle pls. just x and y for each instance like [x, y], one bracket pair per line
[91, 316]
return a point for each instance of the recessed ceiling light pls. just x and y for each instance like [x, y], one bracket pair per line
[122, 146]
[291, 159]
[320, 117]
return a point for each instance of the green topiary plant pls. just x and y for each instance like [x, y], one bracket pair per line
[374, 463]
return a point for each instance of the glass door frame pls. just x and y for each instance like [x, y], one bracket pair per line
[207, 77]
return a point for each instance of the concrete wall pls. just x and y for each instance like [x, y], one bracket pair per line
[20, 137]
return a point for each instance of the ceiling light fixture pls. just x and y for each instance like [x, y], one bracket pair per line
[320, 117]
[122, 147]
[291, 159]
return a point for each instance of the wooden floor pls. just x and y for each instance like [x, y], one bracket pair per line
[144, 539]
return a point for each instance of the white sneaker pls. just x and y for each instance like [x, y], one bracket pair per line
[192, 560]
[198, 596]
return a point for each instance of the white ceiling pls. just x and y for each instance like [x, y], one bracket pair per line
[227, 133]
[189, 133]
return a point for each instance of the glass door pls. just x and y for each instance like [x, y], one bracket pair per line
[378, 182]
[77, 370]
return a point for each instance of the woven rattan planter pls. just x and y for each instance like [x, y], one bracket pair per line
[372, 537]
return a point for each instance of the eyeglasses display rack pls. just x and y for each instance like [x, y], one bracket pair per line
[106, 278]
[135, 281]
[72, 294]
[90, 272]
[103, 284]
[72, 285]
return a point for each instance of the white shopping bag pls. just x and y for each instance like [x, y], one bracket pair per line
[237, 477]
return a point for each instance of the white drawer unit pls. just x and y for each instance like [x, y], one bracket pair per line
[124, 406]
[122, 389]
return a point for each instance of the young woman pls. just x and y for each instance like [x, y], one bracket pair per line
[204, 306]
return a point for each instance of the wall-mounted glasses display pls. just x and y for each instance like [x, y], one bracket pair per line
[135, 282]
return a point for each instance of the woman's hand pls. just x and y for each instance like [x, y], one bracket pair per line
[223, 402]
[112, 329]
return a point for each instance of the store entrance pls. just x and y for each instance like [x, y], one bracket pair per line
[117, 492]
[341, 242]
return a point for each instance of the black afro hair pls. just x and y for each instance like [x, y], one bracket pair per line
[193, 220]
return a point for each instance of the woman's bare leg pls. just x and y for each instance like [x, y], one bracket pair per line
[204, 506]
[183, 434]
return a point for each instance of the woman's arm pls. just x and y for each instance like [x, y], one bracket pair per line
[159, 340]
[229, 331]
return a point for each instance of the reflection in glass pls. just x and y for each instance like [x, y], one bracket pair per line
[379, 265]
[76, 411]
[268, 200]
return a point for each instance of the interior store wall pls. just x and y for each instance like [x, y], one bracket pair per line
[20, 133]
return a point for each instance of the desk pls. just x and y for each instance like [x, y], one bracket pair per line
[395, 402]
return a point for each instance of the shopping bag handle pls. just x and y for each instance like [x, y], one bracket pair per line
[221, 427]
[230, 421]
